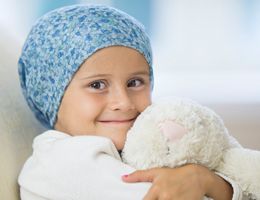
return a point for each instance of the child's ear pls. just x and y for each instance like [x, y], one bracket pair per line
[172, 131]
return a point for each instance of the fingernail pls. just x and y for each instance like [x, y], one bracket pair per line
[125, 176]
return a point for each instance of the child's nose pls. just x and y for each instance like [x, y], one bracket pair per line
[121, 100]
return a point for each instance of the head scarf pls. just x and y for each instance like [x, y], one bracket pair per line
[61, 41]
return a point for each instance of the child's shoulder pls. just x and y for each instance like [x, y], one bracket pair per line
[53, 141]
[52, 134]
[49, 136]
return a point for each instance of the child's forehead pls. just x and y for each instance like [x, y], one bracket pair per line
[116, 54]
[115, 59]
[124, 72]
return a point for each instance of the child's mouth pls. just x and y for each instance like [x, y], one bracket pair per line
[118, 121]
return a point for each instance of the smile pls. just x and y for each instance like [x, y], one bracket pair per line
[125, 121]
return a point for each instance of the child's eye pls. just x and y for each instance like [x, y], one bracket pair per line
[135, 83]
[98, 85]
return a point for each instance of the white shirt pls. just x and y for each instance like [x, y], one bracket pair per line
[63, 167]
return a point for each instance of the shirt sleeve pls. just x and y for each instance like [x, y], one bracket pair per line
[79, 168]
[237, 191]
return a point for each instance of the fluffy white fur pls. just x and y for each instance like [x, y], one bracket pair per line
[205, 141]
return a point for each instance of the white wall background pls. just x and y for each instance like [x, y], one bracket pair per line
[207, 49]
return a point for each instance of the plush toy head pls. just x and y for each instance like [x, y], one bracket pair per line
[171, 134]
[175, 133]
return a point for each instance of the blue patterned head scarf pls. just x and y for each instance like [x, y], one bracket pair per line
[61, 41]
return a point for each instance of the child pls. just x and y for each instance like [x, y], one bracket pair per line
[86, 73]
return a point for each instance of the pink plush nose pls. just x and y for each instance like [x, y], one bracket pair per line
[172, 130]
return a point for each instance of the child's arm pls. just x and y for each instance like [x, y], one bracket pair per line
[80, 168]
[187, 182]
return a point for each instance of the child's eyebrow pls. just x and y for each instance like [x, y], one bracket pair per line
[94, 76]
[146, 73]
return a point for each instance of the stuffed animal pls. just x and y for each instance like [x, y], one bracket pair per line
[171, 134]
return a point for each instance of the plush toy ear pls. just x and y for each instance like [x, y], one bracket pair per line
[172, 131]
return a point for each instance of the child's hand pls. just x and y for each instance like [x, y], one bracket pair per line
[183, 183]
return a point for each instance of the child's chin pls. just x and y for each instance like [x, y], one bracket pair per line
[127, 124]
[116, 129]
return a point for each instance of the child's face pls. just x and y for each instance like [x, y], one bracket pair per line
[106, 95]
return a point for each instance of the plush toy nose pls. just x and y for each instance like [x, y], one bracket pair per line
[172, 131]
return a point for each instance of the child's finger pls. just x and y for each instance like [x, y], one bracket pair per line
[140, 176]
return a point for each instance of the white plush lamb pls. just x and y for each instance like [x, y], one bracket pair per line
[171, 134]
